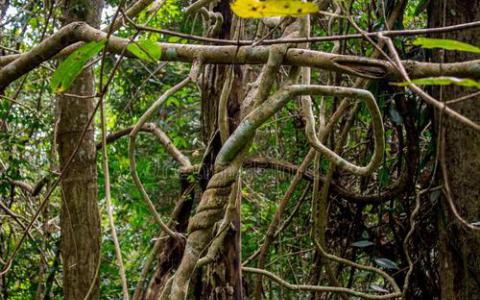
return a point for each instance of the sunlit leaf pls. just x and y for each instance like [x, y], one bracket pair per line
[386, 263]
[71, 67]
[174, 39]
[465, 82]
[146, 50]
[445, 44]
[272, 8]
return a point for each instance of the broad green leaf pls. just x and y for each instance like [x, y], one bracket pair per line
[71, 67]
[465, 82]
[386, 263]
[146, 50]
[446, 44]
[362, 244]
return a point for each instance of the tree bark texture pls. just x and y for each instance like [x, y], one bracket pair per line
[80, 219]
[459, 265]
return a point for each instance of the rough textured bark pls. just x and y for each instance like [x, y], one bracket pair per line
[79, 220]
[459, 256]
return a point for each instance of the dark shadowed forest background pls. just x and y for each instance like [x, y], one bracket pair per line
[169, 149]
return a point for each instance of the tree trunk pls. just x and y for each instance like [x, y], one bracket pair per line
[79, 219]
[459, 265]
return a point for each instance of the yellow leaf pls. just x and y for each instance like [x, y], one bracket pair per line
[272, 8]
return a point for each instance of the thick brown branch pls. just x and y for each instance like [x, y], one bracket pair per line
[16, 65]
[163, 138]
[29, 189]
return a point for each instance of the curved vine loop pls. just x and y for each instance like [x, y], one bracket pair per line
[133, 135]
[227, 165]
[256, 118]
[377, 124]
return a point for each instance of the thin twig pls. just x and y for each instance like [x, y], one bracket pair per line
[389, 33]
[426, 97]
[317, 288]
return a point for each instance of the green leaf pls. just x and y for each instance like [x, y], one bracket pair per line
[422, 6]
[362, 244]
[146, 50]
[174, 39]
[71, 67]
[443, 80]
[446, 44]
[383, 176]
[386, 263]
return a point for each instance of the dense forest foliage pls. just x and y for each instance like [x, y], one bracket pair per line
[170, 149]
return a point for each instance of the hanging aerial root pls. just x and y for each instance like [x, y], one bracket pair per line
[413, 224]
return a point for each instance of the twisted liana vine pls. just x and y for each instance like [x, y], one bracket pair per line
[228, 163]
